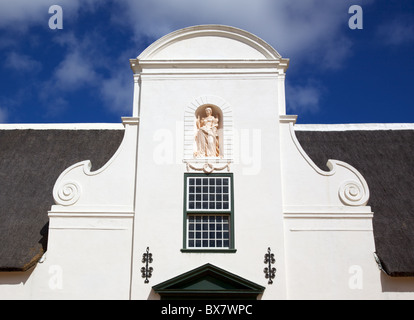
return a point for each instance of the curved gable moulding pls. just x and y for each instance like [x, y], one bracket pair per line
[210, 42]
[78, 189]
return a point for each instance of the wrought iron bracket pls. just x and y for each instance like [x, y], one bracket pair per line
[270, 272]
[147, 270]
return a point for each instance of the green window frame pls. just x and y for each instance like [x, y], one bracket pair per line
[208, 214]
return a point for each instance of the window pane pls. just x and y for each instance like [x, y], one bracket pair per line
[208, 231]
[211, 193]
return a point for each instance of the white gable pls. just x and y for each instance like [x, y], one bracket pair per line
[210, 42]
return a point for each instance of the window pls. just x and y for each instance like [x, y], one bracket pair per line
[208, 212]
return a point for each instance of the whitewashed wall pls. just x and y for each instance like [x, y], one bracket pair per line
[207, 65]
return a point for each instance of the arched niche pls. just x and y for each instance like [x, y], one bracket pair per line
[223, 112]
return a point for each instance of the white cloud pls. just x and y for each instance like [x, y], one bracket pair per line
[303, 30]
[3, 115]
[398, 31]
[79, 64]
[21, 62]
[117, 93]
[303, 98]
[84, 66]
[22, 14]
[74, 72]
[312, 31]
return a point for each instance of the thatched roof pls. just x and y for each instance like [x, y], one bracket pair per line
[30, 163]
[385, 158]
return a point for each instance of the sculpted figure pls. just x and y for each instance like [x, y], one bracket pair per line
[207, 136]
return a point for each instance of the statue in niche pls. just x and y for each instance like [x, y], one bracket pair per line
[207, 135]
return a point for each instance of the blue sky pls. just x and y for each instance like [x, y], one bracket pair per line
[81, 73]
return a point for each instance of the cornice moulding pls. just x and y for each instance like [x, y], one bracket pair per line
[224, 66]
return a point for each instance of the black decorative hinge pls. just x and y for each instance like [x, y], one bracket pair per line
[270, 272]
[147, 271]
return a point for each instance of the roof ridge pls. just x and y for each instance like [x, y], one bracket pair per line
[61, 126]
[354, 127]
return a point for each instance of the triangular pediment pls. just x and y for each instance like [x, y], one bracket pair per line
[208, 281]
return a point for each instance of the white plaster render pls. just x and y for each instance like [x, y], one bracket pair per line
[175, 76]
